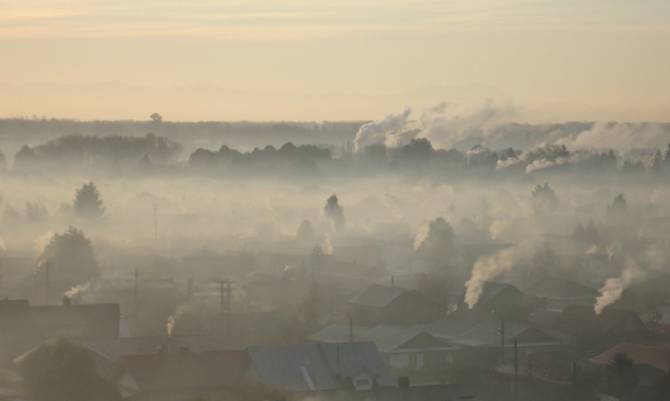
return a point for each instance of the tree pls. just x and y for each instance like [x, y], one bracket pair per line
[334, 212]
[63, 371]
[437, 240]
[71, 258]
[620, 376]
[306, 233]
[619, 206]
[87, 202]
[157, 118]
[544, 198]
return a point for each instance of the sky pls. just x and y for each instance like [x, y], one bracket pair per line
[333, 60]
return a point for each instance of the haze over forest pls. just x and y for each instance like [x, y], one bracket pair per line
[373, 200]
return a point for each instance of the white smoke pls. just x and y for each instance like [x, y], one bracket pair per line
[421, 236]
[326, 245]
[497, 228]
[620, 136]
[448, 125]
[444, 125]
[485, 269]
[613, 288]
[77, 290]
[169, 325]
[382, 132]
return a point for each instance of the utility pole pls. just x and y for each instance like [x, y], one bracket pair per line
[155, 207]
[574, 380]
[225, 296]
[136, 299]
[47, 283]
[502, 339]
[516, 369]
[351, 329]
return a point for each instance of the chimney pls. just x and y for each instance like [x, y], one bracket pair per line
[66, 300]
[403, 381]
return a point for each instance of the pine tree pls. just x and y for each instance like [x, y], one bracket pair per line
[87, 202]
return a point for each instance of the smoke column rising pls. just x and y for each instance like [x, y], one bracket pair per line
[614, 287]
[487, 268]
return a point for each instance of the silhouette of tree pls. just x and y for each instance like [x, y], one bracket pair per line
[157, 118]
[620, 376]
[334, 211]
[440, 239]
[63, 371]
[71, 257]
[544, 198]
[87, 202]
[619, 205]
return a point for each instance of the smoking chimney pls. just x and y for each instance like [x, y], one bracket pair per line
[67, 301]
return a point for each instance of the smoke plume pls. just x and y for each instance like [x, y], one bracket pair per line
[487, 268]
[169, 325]
[614, 287]
[77, 290]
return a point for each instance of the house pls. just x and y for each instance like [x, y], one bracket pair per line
[650, 361]
[491, 341]
[165, 373]
[380, 304]
[26, 326]
[583, 324]
[501, 300]
[405, 349]
[182, 375]
[555, 294]
[303, 368]
[435, 392]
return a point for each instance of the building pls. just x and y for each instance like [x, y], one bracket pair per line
[555, 294]
[26, 326]
[501, 300]
[380, 304]
[405, 349]
[583, 324]
[311, 367]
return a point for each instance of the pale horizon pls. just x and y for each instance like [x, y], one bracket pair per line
[298, 60]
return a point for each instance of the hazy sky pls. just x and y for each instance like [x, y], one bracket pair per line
[337, 59]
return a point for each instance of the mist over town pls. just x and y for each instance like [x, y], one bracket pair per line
[309, 201]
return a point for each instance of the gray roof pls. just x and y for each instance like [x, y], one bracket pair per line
[387, 338]
[492, 289]
[116, 348]
[316, 367]
[560, 288]
[378, 296]
[484, 332]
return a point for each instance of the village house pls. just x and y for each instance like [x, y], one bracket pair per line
[408, 351]
[380, 304]
[317, 367]
[25, 326]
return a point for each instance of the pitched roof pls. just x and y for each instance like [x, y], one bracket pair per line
[656, 356]
[351, 359]
[491, 289]
[316, 367]
[583, 318]
[116, 348]
[559, 288]
[487, 332]
[387, 338]
[187, 370]
[378, 296]
[294, 368]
